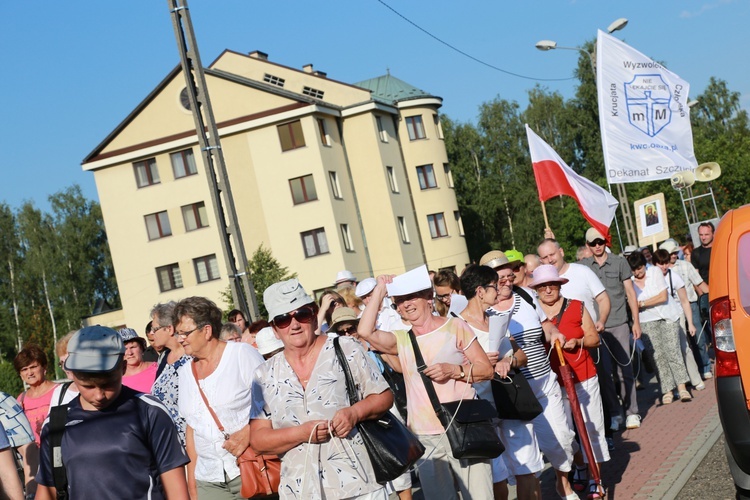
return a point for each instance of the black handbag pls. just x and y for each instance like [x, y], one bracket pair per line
[514, 398]
[468, 422]
[392, 448]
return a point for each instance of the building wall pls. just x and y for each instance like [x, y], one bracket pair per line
[259, 173]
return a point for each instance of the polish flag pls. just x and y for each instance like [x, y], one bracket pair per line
[554, 178]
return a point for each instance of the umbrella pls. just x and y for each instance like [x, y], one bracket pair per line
[569, 382]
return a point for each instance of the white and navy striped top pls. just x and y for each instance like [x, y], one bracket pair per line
[526, 327]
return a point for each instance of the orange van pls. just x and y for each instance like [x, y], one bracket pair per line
[729, 291]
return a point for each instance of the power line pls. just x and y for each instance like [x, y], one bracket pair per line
[469, 55]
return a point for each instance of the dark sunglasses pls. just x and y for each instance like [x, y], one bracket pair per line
[302, 315]
[597, 242]
[347, 330]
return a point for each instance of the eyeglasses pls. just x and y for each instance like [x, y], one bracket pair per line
[302, 315]
[505, 279]
[347, 330]
[517, 267]
[183, 335]
[494, 287]
[443, 297]
[597, 242]
[548, 286]
[154, 330]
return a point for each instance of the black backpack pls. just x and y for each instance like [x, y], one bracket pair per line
[58, 417]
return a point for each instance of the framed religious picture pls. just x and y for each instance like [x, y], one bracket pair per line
[651, 220]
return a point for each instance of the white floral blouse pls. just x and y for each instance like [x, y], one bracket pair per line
[166, 388]
[327, 470]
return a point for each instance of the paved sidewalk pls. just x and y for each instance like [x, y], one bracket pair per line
[656, 460]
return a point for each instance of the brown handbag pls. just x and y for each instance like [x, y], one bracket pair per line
[260, 474]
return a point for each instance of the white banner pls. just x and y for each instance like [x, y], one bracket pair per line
[645, 120]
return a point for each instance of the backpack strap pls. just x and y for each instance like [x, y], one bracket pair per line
[524, 295]
[58, 417]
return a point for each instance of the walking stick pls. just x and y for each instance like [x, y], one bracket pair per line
[569, 382]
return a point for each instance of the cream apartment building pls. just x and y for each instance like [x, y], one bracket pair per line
[328, 175]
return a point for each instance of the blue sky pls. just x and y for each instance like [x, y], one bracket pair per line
[73, 70]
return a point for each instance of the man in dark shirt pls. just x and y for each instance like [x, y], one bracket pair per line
[701, 257]
[117, 443]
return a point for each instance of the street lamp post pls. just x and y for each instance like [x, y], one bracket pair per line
[622, 195]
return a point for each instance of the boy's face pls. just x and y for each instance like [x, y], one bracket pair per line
[98, 391]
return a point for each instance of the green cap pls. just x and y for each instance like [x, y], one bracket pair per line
[514, 256]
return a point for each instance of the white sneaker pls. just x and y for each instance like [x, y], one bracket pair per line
[616, 423]
[708, 375]
[633, 421]
[699, 387]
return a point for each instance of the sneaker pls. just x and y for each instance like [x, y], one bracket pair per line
[633, 422]
[616, 423]
[708, 375]
[699, 387]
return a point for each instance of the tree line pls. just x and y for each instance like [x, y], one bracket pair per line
[494, 179]
[55, 268]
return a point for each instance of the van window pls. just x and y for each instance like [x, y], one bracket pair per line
[743, 251]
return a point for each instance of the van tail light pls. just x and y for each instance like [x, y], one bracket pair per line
[727, 364]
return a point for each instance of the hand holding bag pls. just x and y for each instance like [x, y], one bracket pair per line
[261, 474]
[468, 422]
[392, 448]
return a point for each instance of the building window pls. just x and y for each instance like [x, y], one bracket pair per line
[169, 277]
[402, 230]
[146, 173]
[324, 139]
[459, 223]
[335, 187]
[314, 93]
[415, 127]
[274, 80]
[381, 130]
[346, 237]
[448, 175]
[157, 225]
[290, 135]
[206, 268]
[437, 225]
[303, 189]
[195, 216]
[392, 179]
[426, 176]
[438, 126]
[183, 163]
[314, 242]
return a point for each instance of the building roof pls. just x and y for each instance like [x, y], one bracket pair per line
[390, 89]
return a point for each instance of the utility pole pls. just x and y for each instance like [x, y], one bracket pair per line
[243, 292]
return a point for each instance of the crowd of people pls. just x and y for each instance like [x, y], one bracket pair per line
[166, 414]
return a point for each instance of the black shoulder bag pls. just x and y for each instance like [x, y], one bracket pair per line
[392, 448]
[523, 294]
[58, 417]
[467, 422]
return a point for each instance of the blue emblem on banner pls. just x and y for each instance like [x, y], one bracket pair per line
[647, 98]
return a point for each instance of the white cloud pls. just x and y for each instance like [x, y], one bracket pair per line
[685, 14]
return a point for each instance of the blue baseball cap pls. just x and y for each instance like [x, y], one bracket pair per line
[95, 349]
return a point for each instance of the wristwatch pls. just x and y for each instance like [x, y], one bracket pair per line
[463, 375]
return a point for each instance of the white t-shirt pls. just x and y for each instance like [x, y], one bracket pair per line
[673, 300]
[228, 392]
[584, 285]
[690, 276]
[655, 283]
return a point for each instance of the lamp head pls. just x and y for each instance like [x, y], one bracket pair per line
[617, 25]
[546, 45]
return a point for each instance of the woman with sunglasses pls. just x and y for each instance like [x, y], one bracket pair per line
[574, 321]
[454, 360]
[301, 409]
[550, 432]
[480, 288]
[329, 302]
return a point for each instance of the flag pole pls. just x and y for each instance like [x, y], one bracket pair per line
[544, 213]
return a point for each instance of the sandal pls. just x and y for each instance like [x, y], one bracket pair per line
[596, 491]
[580, 478]
[685, 396]
[667, 398]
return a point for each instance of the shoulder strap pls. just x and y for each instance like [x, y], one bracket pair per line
[205, 401]
[671, 285]
[162, 362]
[425, 379]
[58, 417]
[63, 390]
[350, 387]
[562, 311]
[524, 295]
